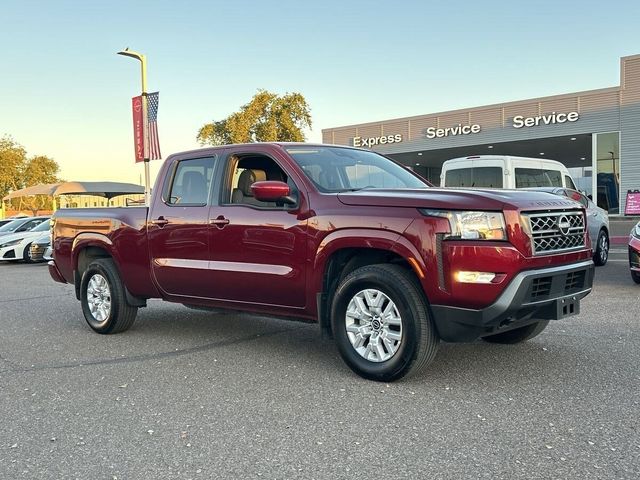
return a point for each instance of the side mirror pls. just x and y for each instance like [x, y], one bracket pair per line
[272, 191]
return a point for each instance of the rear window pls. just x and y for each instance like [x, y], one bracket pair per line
[537, 177]
[484, 177]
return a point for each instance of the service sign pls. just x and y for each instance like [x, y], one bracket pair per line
[552, 118]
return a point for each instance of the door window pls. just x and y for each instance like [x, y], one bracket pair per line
[245, 171]
[569, 182]
[191, 182]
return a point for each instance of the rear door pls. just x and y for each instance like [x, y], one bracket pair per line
[178, 228]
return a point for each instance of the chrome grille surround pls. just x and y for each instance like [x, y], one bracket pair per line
[556, 231]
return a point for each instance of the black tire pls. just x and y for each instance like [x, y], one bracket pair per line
[635, 276]
[26, 257]
[120, 315]
[418, 342]
[518, 335]
[601, 252]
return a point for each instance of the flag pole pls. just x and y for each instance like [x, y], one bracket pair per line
[143, 69]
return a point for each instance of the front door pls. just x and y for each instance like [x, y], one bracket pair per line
[179, 228]
[257, 249]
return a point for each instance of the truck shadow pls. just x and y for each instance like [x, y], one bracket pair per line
[280, 342]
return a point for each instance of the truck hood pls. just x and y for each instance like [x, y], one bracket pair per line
[457, 199]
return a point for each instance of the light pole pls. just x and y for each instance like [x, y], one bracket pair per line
[143, 69]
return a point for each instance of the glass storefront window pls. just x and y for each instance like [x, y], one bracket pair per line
[607, 164]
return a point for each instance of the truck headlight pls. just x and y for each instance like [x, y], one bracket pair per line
[635, 231]
[11, 243]
[472, 225]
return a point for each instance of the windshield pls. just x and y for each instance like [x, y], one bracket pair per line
[43, 227]
[11, 226]
[335, 169]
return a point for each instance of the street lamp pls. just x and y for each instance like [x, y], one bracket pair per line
[143, 69]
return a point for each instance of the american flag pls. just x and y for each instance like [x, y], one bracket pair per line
[152, 121]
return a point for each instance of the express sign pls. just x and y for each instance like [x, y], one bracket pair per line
[373, 141]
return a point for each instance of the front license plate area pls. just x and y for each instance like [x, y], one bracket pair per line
[567, 307]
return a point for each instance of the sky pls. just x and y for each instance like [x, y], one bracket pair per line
[66, 94]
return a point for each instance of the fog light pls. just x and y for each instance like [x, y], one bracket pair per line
[475, 277]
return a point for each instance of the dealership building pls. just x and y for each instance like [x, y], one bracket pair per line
[595, 133]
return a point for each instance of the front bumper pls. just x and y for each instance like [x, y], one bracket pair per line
[634, 254]
[543, 294]
[10, 253]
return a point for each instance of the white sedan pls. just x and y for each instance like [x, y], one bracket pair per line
[16, 245]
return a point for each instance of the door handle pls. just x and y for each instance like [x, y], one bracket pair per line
[219, 222]
[160, 221]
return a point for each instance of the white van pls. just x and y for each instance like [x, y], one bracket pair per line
[504, 171]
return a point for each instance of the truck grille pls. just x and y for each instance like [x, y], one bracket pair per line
[556, 231]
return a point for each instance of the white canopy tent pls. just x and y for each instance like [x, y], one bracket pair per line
[107, 190]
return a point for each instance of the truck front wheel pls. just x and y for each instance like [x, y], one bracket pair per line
[381, 323]
[103, 299]
[518, 335]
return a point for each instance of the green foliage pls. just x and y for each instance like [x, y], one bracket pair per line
[40, 169]
[266, 118]
[17, 171]
[12, 160]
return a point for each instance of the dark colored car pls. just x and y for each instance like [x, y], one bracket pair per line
[634, 253]
[387, 265]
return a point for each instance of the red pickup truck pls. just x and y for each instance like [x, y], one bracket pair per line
[387, 265]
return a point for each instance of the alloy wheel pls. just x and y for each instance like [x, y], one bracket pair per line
[374, 325]
[99, 297]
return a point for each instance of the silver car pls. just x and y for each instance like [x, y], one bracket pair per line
[597, 221]
[19, 225]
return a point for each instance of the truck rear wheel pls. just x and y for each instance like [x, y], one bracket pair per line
[103, 299]
[518, 335]
[381, 323]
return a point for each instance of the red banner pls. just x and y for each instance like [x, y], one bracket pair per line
[138, 128]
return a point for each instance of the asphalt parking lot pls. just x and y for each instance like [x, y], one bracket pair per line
[188, 394]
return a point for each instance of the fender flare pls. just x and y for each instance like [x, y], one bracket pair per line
[365, 238]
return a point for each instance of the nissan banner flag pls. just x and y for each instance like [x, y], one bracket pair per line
[138, 128]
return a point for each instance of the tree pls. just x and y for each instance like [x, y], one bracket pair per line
[268, 117]
[12, 161]
[17, 171]
[40, 169]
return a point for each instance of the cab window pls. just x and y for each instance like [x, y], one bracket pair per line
[191, 182]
